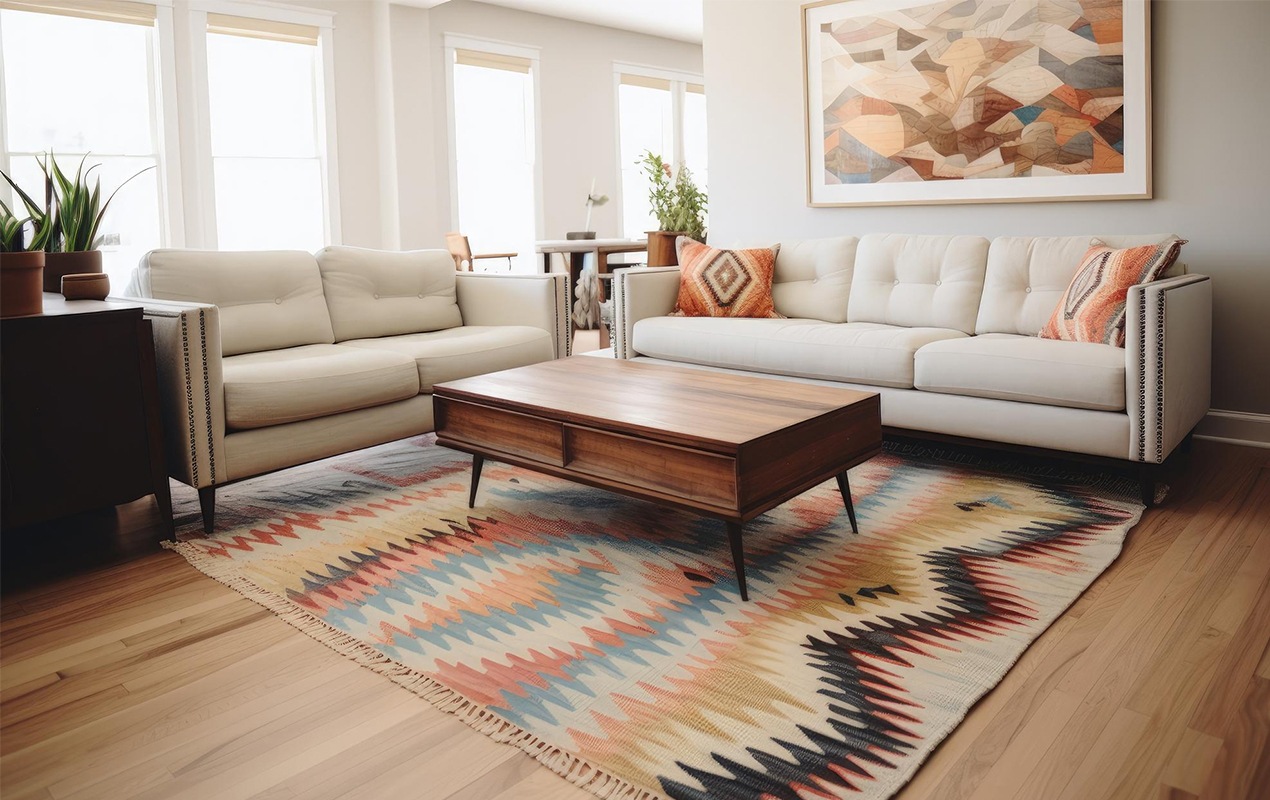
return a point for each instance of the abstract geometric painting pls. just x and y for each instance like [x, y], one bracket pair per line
[976, 100]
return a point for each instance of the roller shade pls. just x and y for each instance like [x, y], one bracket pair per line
[104, 10]
[477, 58]
[646, 82]
[262, 29]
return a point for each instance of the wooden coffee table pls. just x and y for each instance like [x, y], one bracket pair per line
[721, 445]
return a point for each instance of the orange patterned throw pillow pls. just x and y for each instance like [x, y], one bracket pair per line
[724, 283]
[1093, 307]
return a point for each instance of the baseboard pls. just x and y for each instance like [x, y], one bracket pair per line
[1235, 427]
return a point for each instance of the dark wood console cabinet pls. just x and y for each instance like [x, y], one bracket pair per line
[79, 412]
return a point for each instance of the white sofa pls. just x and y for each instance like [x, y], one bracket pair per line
[271, 359]
[944, 329]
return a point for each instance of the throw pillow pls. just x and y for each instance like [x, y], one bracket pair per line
[1093, 307]
[724, 283]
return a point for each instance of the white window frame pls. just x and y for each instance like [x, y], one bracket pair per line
[203, 229]
[531, 54]
[679, 81]
[162, 93]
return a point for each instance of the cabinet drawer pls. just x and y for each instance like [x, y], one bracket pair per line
[664, 468]
[508, 432]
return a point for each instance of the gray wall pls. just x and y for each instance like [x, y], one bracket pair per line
[1211, 175]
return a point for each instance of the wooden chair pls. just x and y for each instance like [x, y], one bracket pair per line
[464, 260]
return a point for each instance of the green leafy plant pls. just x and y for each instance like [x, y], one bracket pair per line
[40, 217]
[10, 230]
[79, 208]
[677, 203]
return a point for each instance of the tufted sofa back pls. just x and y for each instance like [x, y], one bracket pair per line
[268, 300]
[918, 281]
[1027, 276]
[812, 278]
[372, 293]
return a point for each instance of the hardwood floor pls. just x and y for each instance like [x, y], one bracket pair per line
[145, 679]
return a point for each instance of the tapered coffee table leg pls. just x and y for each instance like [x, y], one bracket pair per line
[478, 461]
[845, 489]
[738, 557]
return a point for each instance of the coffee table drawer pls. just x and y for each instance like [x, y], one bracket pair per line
[664, 468]
[494, 429]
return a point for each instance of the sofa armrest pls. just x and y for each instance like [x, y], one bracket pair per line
[1168, 375]
[187, 353]
[638, 294]
[538, 301]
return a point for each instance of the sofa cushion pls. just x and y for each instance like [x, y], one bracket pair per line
[812, 279]
[1027, 369]
[267, 299]
[1027, 276]
[918, 281]
[317, 380]
[860, 352]
[463, 352]
[384, 293]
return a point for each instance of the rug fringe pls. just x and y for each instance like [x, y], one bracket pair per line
[572, 768]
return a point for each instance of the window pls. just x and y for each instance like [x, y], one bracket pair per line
[265, 84]
[664, 113]
[494, 146]
[100, 102]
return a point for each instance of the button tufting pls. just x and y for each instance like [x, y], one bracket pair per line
[277, 301]
[420, 295]
[897, 281]
[1028, 290]
[939, 283]
[377, 295]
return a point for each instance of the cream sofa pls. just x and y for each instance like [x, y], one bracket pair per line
[271, 359]
[944, 329]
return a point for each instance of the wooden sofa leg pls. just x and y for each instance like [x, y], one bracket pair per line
[207, 504]
[1146, 483]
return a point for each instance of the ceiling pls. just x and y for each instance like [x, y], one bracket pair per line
[672, 19]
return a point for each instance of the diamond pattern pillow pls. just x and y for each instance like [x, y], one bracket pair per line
[1093, 307]
[724, 283]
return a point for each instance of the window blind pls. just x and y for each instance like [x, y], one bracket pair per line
[694, 88]
[478, 58]
[646, 82]
[106, 10]
[262, 29]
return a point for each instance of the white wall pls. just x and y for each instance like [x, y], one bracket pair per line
[1212, 183]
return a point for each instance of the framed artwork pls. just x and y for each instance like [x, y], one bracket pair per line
[976, 101]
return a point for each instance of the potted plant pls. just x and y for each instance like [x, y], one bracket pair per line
[22, 262]
[74, 211]
[678, 205]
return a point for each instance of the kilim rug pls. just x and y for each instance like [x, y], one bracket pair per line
[605, 636]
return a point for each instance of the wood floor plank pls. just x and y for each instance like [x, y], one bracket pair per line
[1242, 766]
[1191, 762]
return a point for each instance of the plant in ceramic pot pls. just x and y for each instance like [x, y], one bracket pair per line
[678, 205]
[22, 261]
[79, 212]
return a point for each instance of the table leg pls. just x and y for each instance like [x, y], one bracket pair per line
[845, 489]
[478, 461]
[738, 557]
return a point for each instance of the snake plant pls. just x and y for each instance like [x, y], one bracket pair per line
[79, 209]
[41, 219]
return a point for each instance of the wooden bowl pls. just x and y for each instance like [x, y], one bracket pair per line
[86, 286]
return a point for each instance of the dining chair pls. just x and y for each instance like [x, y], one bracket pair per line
[461, 252]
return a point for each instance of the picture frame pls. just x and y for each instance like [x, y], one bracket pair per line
[937, 139]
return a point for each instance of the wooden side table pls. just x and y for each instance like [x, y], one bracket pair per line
[79, 411]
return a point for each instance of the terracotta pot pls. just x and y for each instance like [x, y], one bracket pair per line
[661, 248]
[21, 278]
[57, 265]
[89, 286]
